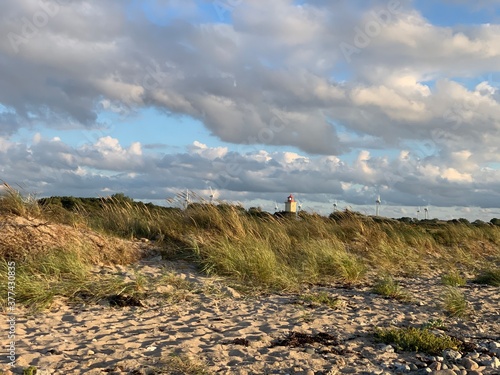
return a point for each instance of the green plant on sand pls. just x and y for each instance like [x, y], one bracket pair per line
[416, 339]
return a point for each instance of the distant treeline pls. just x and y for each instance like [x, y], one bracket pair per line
[92, 204]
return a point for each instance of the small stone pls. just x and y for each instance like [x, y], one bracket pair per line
[494, 345]
[469, 364]
[349, 370]
[310, 351]
[472, 355]
[451, 355]
[386, 348]
[495, 363]
[401, 367]
[436, 366]
[90, 352]
[484, 360]
[444, 372]
[424, 371]
[230, 292]
[413, 367]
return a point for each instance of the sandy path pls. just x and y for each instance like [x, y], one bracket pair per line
[210, 323]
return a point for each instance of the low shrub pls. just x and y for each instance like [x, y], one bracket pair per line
[417, 339]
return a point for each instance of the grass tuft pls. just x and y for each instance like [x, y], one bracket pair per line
[388, 287]
[13, 202]
[453, 278]
[417, 339]
[489, 277]
[322, 299]
[454, 302]
[182, 364]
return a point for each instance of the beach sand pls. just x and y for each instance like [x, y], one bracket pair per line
[190, 322]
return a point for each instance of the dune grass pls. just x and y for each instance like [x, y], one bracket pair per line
[254, 248]
[454, 302]
[388, 287]
[453, 278]
[60, 274]
[488, 276]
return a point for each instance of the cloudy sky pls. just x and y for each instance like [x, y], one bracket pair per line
[330, 100]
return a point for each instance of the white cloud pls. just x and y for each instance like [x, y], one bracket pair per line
[274, 76]
[210, 153]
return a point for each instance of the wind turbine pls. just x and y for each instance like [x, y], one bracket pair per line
[211, 195]
[426, 211]
[377, 205]
[276, 208]
[299, 208]
[335, 206]
[418, 211]
[186, 199]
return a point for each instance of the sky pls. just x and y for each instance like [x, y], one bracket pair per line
[333, 101]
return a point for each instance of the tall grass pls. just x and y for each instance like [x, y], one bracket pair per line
[59, 274]
[267, 251]
[13, 202]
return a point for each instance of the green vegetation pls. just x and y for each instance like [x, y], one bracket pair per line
[434, 324]
[489, 277]
[321, 299]
[453, 278]
[181, 364]
[61, 274]
[417, 339]
[30, 370]
[454, 302]
[388, 287]
[254, 248]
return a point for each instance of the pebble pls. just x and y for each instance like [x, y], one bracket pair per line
[493, 345]
[349, 370]
[424, 371]
[386, 348]
[472, 355]
[231, 292]
[451, 355]
[401, 367]
[436, 366]
[469, 364]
